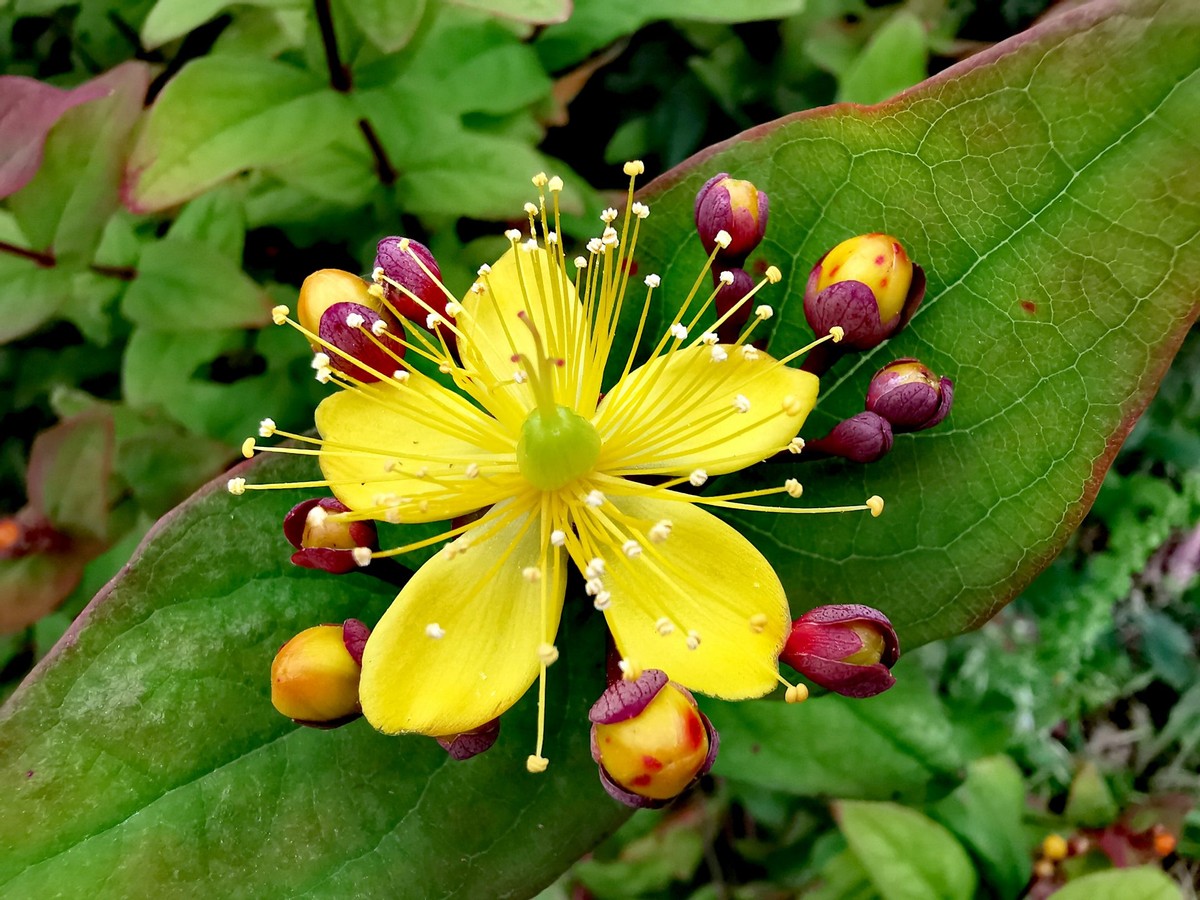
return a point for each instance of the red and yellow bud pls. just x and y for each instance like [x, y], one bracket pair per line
[847, 648]
[866, 285]
[650, 740]
[909, 395]
[324, 288]
[324, 541]
[736, 207]
[314, 677]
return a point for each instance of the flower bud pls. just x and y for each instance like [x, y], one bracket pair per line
[650, 740]
[401, 266]
[355, 330]
[849, 649]
[734, 206]
[909, 396]
[863, 438]
[326, 287]
[727, 297]
[324, 543]
[868, 286]
[473, 742]
[314, 678]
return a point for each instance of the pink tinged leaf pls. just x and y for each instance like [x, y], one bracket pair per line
[28, 110]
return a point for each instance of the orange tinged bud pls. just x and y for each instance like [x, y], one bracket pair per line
[323, 288]
[314, 678]
[876, 260]
[1054, 848]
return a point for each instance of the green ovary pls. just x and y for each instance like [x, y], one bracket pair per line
[556, 448]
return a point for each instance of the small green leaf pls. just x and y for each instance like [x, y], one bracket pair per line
[908, 856]
[146, 757]
[1090, 803]
[1142, 883]
[69, 468]
[223, 114]
[170, 19]
[30, 296]
[215, 218]
[536, 11]
[900, 744]
[987, 813]
[388, 24]
[185, 285]
[894, 59]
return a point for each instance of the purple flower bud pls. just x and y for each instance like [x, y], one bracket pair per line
[863, 438]
[727, 297]
[736, 207]
[848, 648]
[650, 740]
[322, 543]
[909, 395]
[865, 285]
[401, 260]
[354, 329]
[473, 742]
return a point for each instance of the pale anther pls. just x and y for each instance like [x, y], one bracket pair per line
[795, 445]
[540, 179]
[362, 556]
[532, 574]
[875, 504]
[531, 209]
[453, 309]
[266, 428]
[764, 311]
[536, 765]
[718, 354]
[758, 623]
[477, 288]
[773, 275]
[664, 626]
[794, 488]
[433, 320]
[653, 281]
[400, 375]
[483, 270]
[377, 274]
[248, 447]
[519, 377]
[660, 531]
[641, 210]
[749, 352]
[693, 640]
[595, 568]
[551, 237]
[555, 183]
[792, 405]
[679, 332]
[378, 327]
[593, 587]
[376, 291]
[796, 693]
[709, 338]
[603, 601]
[725, 277]
[631, 548]
[723, 239]
[404, 244]
[697, 478]
[741, 403]
[548, 654]
[316, 516]
[435, 631]
[323, 375]
[608, 216]
[630, 670]
[594, 498]
[279, 314]
[513, 234]
[445, 368]
[530, 245]
[581, 262]
[837, 333]
[320, 361]
[236, 486]
[472, 470]
[354, 320]
[558, 537]
[634, 167]
[594, 246]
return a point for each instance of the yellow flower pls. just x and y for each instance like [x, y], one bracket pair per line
[564, 475]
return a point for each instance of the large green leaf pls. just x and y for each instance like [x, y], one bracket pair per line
[144, 758]
[1048, 188]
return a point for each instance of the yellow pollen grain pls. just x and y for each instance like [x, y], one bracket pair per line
[796, 693]
[248, 448]
[536, 765]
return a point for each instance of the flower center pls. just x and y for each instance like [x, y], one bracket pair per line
[556, 447]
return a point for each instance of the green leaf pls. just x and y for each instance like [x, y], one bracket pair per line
[1062, 277]
[900, 744]
[145, 756]
[1090, 802]
[537, 11]
[388, 24]
[215, 218]
[223, 114]
[894, 59]
[987, 814]
[30, 296]
[906, 854]
[69, 467]
[185, 285]
[1143, 883]
[170, 19]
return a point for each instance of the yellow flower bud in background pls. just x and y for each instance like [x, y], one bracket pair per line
[876, 260]
[314, 678]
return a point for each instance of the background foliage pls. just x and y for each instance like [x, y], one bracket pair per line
[138, 262]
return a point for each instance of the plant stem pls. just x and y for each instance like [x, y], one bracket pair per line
[47, 260]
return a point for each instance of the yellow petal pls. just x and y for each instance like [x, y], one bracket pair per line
[410, 429]
[489, 616]
[532, 281]
[679, 412]
[704, 581]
